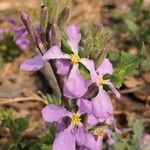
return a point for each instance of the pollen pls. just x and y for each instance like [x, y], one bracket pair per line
[75, 119]
[101, 81]
[75, 58]
[99, 132]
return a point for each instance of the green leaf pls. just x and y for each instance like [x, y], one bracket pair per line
[43, 18]
[53, 10]
[132, 26]
[145, 64]
[119, 146]
[53, 99]
[113, 55]
[64, 45]
[138, 128]
[137, 5]
[137, 132]
[4, 115]
[84, 72]
[18, 125]
[63, 18]
[46, 147]
[125, 66]
[94, 41]
[52, 131]
[1, 60]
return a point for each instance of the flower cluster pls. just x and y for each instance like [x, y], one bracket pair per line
[9, 26]
[21, 38]
[87, 126]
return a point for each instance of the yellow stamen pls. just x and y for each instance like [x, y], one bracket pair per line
[99, 132]
[101, 81]
[75, 58]
[75, 119]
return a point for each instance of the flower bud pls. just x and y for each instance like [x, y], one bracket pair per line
[30, 28]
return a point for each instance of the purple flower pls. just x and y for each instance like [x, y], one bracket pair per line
[75, 85]
[71, 134]
[101, 104]
[33, 64]
[85, 106]
[21, 31]
[100, 133]
[21, 39]
[7, 24]
[10, 20]
[144, 141]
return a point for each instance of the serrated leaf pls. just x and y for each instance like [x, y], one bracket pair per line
[125, 66]
[18, 125]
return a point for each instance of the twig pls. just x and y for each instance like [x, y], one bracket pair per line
[15, 100]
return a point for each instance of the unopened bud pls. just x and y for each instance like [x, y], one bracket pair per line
[30, 28]
[63, 18]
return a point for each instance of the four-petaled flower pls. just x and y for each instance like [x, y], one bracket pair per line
[68, 134]
[74, 85]
[101, 104]
[100, 132]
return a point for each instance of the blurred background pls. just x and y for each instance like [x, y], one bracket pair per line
[22, 94]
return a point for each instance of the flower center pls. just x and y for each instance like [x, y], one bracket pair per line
[99, 132]
[101, 81]
[75, 58]
[75, 119]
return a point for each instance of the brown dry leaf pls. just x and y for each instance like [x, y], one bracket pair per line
[144, 93]
[141, 95]
[6, 70]
[133, 51]
[132, 82]
[146, 77]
